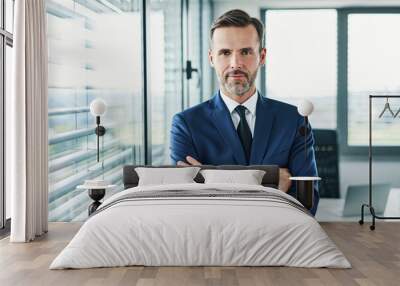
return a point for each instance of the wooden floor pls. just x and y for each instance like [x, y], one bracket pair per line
[374, 255]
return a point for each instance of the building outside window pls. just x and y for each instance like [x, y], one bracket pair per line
[166, 74]
[6, 44]
[302, 60]
[94, 52]
[373, 68]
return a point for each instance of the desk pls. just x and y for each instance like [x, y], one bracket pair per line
[331, 209]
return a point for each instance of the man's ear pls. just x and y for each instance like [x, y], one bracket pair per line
[210, 58]
[263, 56]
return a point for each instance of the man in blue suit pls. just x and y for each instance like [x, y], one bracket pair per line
[238, 126]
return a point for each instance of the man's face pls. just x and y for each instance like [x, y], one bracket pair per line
[236, 57]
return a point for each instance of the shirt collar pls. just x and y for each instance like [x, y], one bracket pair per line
[250, 103]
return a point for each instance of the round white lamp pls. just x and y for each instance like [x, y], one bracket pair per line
[98, 108]
[305, 108]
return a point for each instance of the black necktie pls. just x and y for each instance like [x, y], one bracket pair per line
[244, 132]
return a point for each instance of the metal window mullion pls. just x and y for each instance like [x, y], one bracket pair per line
[186, 49]
[2, 128]
[146, 83]
[183, 54]
[342, 96]
[3, 15]
[263, 71]
[6, 33]
[201, 37]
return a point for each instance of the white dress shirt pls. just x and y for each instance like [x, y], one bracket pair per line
[250, 104]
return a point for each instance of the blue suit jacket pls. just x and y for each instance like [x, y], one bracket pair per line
[206, 132]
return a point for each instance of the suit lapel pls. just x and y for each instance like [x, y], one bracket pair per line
[262, 130]
[223, 122]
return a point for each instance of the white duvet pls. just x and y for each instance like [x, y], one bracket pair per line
[200, 231]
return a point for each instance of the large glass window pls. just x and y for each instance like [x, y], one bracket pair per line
[176, 37]
[6, 43]
[195, 52]
[9, 11]
[8, 82]
[373, 68]
[302, 60]
[2, 131]
[94, 52]
[206, 71]
[166, 74]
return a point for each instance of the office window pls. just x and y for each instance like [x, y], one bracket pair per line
[94, 52]
[195, 51]
[8, 85]
[206, 71]
[373, 68]
[165, 74]
[302, 60]
[9, 11]
[6, 43]
[2, 131]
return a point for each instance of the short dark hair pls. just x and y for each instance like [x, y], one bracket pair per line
[238, 18]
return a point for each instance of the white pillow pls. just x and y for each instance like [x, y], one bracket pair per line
[166, 176]
[248, 177]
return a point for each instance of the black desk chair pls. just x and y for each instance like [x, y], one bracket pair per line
[327, 158]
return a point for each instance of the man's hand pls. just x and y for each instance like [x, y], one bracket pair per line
[190, 162]
[284, 181]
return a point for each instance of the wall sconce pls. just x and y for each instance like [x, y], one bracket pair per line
[305, 185]
[98, 108]
[305, 108]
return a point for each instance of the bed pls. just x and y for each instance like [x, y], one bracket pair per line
[201, 224]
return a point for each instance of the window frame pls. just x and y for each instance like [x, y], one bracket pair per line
[6, 39]
[146, 78]
[342, 96]
[263, 71]
[342, 75]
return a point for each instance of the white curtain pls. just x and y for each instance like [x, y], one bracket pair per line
[26, 117]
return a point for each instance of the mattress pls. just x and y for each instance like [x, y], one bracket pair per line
[201, 225]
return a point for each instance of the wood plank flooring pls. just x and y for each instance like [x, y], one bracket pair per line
[374, 255]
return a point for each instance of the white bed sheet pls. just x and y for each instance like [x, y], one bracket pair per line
[200, 231]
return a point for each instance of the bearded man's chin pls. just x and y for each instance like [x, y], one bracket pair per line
[238, 91]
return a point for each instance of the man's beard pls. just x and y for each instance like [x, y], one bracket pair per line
[238, 87]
